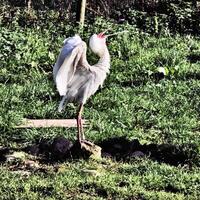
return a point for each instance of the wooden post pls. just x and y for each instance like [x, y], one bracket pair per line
[80, 15]
[29, 5]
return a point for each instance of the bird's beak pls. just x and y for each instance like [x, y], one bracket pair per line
[101, 35]
[117, 33]
[106, 30]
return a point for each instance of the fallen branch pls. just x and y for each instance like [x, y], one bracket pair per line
[45, 123]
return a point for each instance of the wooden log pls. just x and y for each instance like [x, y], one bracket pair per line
[45, 123]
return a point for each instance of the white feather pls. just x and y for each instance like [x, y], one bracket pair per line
[75, 79]
[69, 44]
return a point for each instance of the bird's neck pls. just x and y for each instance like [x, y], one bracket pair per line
[104, 60]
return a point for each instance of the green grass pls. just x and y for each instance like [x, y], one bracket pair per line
[133, 103]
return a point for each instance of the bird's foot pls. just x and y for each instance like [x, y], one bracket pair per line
[93, 149]
[86, 142]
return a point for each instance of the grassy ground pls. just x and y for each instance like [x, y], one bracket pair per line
[135, 102]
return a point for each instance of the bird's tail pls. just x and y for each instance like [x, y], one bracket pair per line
[62, 104]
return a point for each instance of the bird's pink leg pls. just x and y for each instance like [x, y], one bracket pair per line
[81, 136]
[79, 124]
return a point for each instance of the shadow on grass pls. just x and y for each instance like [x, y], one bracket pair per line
[193, 58]
[156, 77]
[118, 148]
[190, 76]
[137, 82]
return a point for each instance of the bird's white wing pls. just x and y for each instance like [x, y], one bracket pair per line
[66, 71]
[69, 44]
[66, 63]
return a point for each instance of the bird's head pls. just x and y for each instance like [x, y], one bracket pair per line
[97, 43]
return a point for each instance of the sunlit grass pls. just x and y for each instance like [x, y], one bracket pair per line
[132, 103]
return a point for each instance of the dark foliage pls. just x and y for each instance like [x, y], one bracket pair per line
[153, 16]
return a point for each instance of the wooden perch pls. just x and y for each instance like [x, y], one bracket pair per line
[45, 123]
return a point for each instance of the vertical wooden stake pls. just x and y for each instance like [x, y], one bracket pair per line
[29, 5]
[82, 13]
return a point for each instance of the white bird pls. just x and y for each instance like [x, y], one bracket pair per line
[76, 80]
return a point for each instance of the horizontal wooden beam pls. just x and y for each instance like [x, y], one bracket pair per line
[45, 123]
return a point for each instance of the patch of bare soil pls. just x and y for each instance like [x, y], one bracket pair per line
[36, 156]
